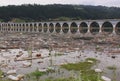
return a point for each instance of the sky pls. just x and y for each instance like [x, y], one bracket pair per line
[109, 3]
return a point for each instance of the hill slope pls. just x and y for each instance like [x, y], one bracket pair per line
[57, 12]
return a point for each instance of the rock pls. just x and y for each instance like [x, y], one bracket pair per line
[27, 63]
[90, 61]
[11, 72]
[98, 70]
[105, 78]
[13, 78]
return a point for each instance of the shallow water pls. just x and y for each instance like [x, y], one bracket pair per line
[70, 57]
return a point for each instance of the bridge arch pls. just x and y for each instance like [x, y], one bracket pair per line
[65, 28]
[107, 27]
[73, 28]
[45, 27]
[27, 27]
[23, 27]
[35, 27]
[117, 28]
[51, 27]
[17, 27]
[20, 27]
[94, 28]
[9, 27]
[40, 27]
[57, 27]
[83, 28]
[31, 27]
[12, 27]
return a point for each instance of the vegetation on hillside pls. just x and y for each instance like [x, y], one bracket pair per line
[57, 12]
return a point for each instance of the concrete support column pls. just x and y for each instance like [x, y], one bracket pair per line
[78, 31]
[88, 28]
[21, 28]
[54, 28]
[42, 28]
[2, 27]
[61, 31]
[48, 27]
[24, 27]
[5, 27]
[33, 27]
[10, 27]
[18, 27]
[37, 25]
[100, 31]
[114, 26]
[88, 32]
[14, 28]
[28, 27]
[69, 29]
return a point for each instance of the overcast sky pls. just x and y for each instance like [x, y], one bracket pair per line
[43, 2]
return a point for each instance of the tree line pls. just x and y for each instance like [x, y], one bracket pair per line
[27, 12]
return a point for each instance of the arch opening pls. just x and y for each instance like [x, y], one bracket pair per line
[45, 27]
[35, 27]
[117, 28]
[23, 26]
[14, 28]
[17, 27]
[27, 28]
[83, 28]
[65, 28]
[57, 28]
[31, 27]
[73, 28]
[40, 27]
[51, 27]
[94, 28]
[9, 27]
[107, 28]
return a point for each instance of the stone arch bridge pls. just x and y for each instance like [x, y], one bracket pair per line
[79, 27]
